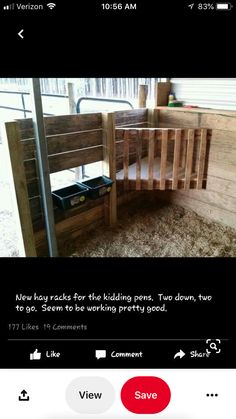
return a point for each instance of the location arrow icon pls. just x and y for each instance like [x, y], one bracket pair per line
[179, 354]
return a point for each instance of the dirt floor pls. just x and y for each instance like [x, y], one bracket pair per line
[8, 238]
[152, 229]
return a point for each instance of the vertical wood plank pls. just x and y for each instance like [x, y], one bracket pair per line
[71, 98]
[201, 157]
[109, 166]
[164, 141]
[162, 91]
[142, 95]
[138, 159]
[176, 158]
[150, 158]
[189, 158]
[18, 172]
[126, 160]
[72, 110]
[152, 118]
[183, 150]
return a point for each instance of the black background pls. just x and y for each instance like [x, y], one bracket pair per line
[160, 39]
[128, 276]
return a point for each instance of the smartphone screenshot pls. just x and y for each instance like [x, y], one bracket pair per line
[117, 210]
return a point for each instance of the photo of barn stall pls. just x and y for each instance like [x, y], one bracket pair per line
[166, 184]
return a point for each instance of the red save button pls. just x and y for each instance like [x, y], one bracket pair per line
[145, 395]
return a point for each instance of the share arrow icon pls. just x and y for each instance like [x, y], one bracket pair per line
[179, 354]
[24, 397]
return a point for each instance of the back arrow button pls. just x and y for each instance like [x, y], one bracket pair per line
[20, 33]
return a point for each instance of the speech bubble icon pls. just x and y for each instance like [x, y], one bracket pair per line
[101, 353]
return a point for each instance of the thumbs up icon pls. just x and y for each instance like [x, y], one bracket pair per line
[35, 355]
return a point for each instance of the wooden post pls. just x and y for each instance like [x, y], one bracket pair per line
[138, 159]
[72, 110]
[109, 165]
[177, 145]
[18, 172]
[153, 118]
[142, 95]
[164, 148]
[189, 158]
[150, 158]
[126, 160]
[71, 94]
[201, 158]
[162, 91]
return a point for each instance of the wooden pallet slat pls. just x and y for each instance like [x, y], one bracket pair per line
[156, 184]
[201, 158]
[189, 158]
[176, 161]
[131, 116]
[176, 119]
[74, 141]
[64, 161]
[158, 133]
[62, 124]
[150, 158]
[61, 143]
[70, 159]
[138, 159]
[164, 143]
[183, 148]
[109, 166]
[126, 160]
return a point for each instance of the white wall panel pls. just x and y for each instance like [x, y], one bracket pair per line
[206, 92]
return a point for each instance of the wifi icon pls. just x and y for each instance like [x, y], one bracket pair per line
[51, 5]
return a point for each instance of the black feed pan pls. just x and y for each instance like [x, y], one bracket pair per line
[98, 186]
[70, 196]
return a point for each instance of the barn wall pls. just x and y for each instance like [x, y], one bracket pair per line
[218, 201]
[217, 93]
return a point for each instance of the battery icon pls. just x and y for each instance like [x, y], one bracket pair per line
[223, 6]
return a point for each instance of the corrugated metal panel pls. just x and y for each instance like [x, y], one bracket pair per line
[206, 93]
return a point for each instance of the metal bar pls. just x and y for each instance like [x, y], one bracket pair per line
[98, 99]
[54, 95]
[13, 92]
[43, 166]
[14, 109]
[23, 104]
[27, 93]
[21, 110]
